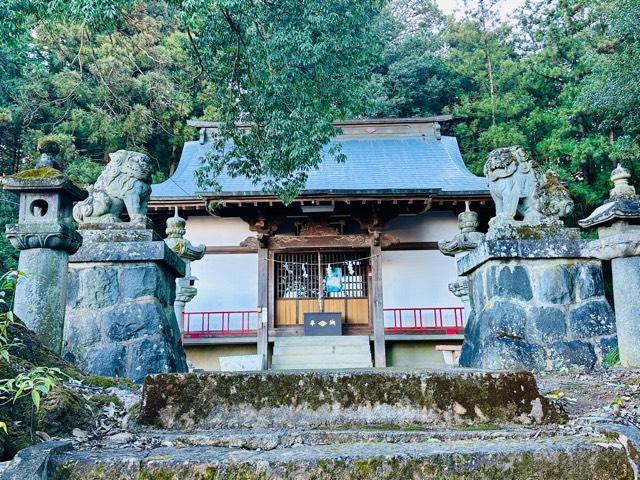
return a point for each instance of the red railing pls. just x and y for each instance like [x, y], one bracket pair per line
[234, 323]
[238, 323]
[424, 320]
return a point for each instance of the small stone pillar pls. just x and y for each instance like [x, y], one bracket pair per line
[618, 226]
[537, 294]
[45, 235]
[185, 286]
[467, 240]
[122, 282]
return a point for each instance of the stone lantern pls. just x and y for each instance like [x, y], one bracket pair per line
[45, 235]
[618, 226]
[464, 242]
[185, 286]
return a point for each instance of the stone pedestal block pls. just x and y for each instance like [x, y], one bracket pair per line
[120, 316]
[536, 305]
[626, 285]
[37, 301]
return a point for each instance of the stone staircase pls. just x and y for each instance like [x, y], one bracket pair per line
[362, 424]
[319, 352]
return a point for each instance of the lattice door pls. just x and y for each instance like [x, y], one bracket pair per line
[300, 277]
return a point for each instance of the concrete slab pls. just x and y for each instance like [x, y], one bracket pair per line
[241, 363]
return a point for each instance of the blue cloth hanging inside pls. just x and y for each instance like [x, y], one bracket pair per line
[333, 280]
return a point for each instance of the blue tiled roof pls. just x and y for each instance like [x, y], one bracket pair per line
[373, 165]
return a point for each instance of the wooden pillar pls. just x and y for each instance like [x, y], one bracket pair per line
[263, 302]
[377, 305]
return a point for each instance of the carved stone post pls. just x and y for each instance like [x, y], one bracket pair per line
[185, 286]
[618, 225]
[45, 236]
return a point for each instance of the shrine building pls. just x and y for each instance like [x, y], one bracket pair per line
[359, 244]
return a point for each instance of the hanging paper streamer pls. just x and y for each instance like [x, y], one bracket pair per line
[304, 271]
[288, 268]
[333, 280]
[350, 267]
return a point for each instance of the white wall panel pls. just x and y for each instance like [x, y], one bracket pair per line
[225, 282]
[215, 231]
[417, 278]
[428, 227]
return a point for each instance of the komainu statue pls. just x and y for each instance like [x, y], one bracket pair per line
[519, 188]
[124, 183]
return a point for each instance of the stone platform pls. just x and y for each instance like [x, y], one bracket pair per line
[120, 320]
[591, 447]
[536, 304]
[309, 399]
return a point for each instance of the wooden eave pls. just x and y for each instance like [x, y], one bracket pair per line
[200, 203]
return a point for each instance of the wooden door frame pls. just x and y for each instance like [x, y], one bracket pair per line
[298, 329]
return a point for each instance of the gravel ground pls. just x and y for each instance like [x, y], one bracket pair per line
[613, 393]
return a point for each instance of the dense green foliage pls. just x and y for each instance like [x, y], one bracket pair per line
[287, 69]
[561, 79]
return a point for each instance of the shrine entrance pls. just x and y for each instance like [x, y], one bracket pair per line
[322, 281]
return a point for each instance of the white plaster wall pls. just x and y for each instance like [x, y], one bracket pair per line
[225, 283]
[427, 227]
[418, 278]
[215, 231]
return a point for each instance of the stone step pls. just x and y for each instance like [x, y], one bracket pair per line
[335, 359]
[317, 352]
[309, 399]
[324, 358]
[317, 364]
[270, 438]
[567, 458]
[321, 349]
[321, 340]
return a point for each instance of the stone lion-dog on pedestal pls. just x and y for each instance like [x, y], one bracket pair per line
[125, 183]
[519, 187]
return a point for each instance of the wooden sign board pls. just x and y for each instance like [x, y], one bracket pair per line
[322, 323]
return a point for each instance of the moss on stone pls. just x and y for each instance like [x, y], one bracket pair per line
[62, 410]
[367, 468]
[29, 351]
[473, 427]
[63, 471]
[102, 399]
[16, 438]
[38, 173]
[477, 396]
